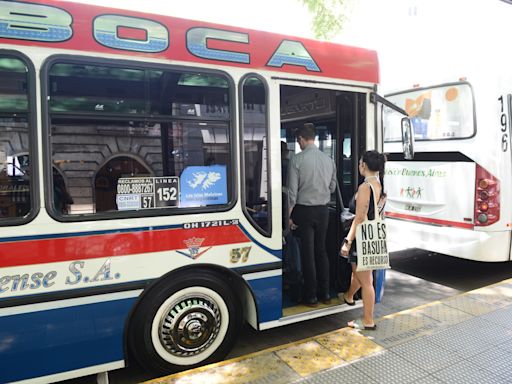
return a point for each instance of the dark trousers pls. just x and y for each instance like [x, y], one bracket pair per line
[312, 224]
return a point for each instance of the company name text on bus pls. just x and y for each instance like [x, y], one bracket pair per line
[43, 23]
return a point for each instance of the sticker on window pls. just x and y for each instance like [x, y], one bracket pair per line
[201, 186]
[147, 192]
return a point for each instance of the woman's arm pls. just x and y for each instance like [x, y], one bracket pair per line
[362, 205]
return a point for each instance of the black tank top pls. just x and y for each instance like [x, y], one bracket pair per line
[371, 209]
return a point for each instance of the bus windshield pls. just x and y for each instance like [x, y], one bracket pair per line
[437, 113]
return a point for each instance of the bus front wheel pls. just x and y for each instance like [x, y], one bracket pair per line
[180, 325]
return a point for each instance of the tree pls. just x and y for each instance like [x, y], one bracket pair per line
[328, 16]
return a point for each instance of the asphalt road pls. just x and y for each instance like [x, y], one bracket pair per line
[417, 277]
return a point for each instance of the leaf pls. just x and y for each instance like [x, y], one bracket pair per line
[328, 16]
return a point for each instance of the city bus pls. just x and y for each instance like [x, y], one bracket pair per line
[454, 196]
[141, 196]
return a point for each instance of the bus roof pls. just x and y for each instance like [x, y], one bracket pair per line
[76, 26]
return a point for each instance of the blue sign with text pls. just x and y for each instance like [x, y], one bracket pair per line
[203, 185]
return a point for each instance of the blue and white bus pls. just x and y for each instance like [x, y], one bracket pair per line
[141, 207]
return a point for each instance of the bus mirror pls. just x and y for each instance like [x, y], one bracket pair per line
[407, 138]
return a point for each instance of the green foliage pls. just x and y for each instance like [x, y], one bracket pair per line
[328, 16]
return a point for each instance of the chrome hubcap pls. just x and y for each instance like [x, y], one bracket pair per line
[190, 325]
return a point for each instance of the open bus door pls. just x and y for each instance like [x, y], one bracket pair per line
[340, 122]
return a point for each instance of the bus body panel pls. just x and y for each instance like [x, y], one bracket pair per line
[81, 333]
[488, 246]
[431, 192]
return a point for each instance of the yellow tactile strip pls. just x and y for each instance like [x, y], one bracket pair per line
[349, 344]
[266, 367]
[288, 363]
[308, 358]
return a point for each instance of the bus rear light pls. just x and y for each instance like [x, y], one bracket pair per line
[487, 198]
[483, 183]
[484, 195]
[482, 219]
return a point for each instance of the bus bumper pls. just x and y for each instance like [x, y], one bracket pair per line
[468, 244]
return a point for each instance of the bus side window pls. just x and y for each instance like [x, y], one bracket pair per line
[15, 178]
[255, 134]
[141, 141]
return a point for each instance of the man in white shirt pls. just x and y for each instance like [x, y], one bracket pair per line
[311, 180]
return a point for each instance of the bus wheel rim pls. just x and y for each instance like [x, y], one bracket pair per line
[190, 325]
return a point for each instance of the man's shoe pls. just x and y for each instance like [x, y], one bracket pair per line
[312, 303]
[325, 300]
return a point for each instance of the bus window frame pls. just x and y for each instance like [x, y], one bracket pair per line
[456, 83]
[242, 154]
[142, 65]
[33, 143]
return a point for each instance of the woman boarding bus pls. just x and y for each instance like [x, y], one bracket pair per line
[140, 182]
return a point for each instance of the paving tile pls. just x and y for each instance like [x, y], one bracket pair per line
[345, 375]
[506, 345]
[308, 358]
[498, 295]
[445, 314]
[387, 367]
[395, 330]
[426, 355]
[428, 380]
[495, 360]
[501, 316]
[470, 337]
[504, 372]
[262, 369]
[469, 305]
[349, 344]
[468, 373]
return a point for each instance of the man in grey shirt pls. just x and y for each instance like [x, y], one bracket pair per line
[311, 180]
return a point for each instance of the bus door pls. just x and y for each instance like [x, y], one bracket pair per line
[340, 121]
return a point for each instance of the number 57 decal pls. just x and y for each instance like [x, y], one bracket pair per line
[239, 254]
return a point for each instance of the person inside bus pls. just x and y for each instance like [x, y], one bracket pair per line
[61, 197]
[311, 180]
[371, 167]
[285, 161]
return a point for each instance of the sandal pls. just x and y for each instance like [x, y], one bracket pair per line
[351, 303]
[358, 324]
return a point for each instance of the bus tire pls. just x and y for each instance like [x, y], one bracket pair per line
[183, 323]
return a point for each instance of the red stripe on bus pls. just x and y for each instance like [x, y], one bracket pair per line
[427, 220]
[113, 244]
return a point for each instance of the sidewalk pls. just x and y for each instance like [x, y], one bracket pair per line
[466, 338]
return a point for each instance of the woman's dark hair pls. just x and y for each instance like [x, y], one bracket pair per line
[375, 161]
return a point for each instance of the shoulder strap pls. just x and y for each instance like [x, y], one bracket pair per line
[376, 208]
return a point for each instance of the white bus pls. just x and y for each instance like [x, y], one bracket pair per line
[140, 182]
[455, 195]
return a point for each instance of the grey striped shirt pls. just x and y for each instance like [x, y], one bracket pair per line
[311, 177]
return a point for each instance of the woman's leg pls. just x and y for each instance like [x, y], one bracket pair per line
[355, 284]
[366, 280]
